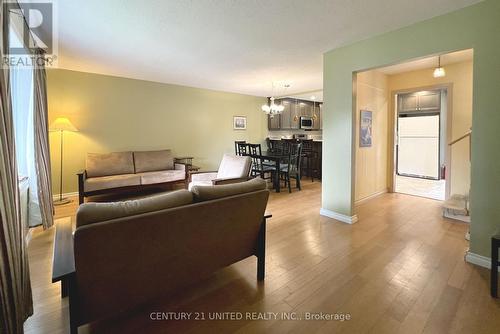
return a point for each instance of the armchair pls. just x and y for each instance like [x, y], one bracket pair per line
[232, 169]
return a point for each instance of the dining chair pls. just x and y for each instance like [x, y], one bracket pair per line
[291, 169]
[259, 167]
[278, 146]
[243, 148]
[269, 144]
[237, 147]
[287, 145]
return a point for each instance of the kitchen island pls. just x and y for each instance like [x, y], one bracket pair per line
[311, 163]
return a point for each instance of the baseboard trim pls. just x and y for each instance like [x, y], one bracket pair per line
[338, 216]
[73, 194]
[478, 260]
[372, 196]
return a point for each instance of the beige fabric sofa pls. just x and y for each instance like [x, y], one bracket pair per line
[232, 169]
[131, 254]
[118, 171]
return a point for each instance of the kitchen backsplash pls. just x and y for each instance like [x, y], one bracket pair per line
[278, 134]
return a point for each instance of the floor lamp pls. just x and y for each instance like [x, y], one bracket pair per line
[62, 124]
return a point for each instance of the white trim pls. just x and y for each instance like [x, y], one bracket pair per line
[338, 216]
[372, 196]
[73, 194]
[478, 260]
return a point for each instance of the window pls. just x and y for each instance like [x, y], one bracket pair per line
[22, 99]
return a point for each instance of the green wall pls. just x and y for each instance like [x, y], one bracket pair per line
[119, 114]
[476, 27]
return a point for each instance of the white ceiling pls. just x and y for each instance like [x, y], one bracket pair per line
[310, 96]
[428, 62]
[237, 46]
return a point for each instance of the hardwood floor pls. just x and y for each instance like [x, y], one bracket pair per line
[400, 269]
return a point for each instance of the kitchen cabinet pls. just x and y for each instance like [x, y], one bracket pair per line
[289, 119]
[286, 116]
[429, 101]
[317, 123]
[274, 122]
[420, 101]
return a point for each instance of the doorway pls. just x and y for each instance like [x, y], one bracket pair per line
[419, 149]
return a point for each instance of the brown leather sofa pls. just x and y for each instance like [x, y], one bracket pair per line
[129, 254]
[126, 171]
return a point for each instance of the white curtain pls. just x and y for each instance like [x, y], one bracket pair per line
[22, 88]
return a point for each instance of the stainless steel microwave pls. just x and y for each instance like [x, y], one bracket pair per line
[306, 122]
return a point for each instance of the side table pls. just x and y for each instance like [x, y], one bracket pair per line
[495, 246]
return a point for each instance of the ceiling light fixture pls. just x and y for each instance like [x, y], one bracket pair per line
[272, 108]
[439, 71]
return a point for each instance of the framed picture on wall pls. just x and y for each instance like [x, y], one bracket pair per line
[239, 122]
[365, 129]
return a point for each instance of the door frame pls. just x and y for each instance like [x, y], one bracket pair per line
[393, 117]
[439, 149]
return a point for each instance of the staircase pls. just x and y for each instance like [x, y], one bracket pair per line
[457, 207]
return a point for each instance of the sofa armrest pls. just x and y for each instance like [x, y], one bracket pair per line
[180, 166]
[203, 176]
[229, 180]
[63, 260]
[204, 172]
[184, 167]
[82, 176]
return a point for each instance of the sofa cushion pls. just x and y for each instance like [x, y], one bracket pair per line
[162, 176]
[113, 181]
[89, 213]
[206, 193]
[233, 166]
[116, 163]
[150, 161]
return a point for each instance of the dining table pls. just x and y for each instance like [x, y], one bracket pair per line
[275, 157]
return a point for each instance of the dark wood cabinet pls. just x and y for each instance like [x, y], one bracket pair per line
[274, 122]
[316, 114]
[286, 115]
[289, 119]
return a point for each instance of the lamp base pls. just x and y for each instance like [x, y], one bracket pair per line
[62, 201]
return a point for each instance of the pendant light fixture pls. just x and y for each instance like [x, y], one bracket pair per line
[314, 109]
[439, 71]
[296, 117]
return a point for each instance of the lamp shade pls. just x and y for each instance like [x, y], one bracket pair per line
[62, 124]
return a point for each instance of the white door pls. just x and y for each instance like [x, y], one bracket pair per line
[418, 146]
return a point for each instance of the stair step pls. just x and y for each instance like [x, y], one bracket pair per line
[456, 208]
[462, 218]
